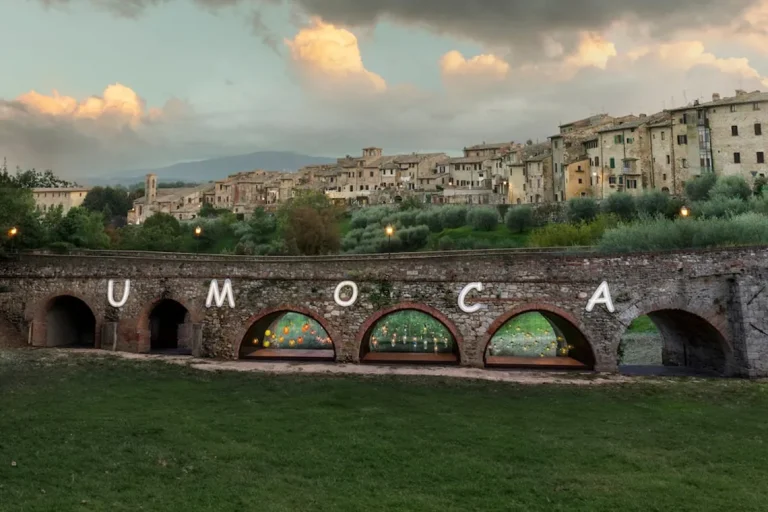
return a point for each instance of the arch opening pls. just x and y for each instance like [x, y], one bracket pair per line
[409, 336]
[673, 342]
[285, 335]
[69, 322]
[170, 328]
[539, 339]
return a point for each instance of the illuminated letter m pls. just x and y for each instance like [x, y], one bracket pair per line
[218, 296]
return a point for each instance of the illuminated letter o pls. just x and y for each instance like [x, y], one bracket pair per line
[337, 294]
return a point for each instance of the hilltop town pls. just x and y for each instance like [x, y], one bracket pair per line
[593, 157]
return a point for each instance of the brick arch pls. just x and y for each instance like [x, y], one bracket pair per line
[367, 326]
[237, 340]
[678, 315]
[36, 314]
[143, 333]
[560, 319]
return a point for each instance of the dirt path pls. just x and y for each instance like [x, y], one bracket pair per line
[513, 376]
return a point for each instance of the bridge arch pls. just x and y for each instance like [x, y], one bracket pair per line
[446, 334]
[690, 337]
[564, 345]
[165, 324]
[322, 347]
[65, 318]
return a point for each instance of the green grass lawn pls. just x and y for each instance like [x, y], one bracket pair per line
[85, 434]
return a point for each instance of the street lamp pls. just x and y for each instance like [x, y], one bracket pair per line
[505, 191]
[389, 230]
[684, 211]
[198, 232]
[12, 234]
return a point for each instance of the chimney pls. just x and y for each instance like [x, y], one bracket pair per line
[715, 96]
[642, 116]
[740, 92]
[695, 103]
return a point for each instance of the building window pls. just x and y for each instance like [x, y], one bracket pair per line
[733, 108]
[613, 163]
[557, 144]
[618, 139]
[629, 140]
[669, 159]
[755, 106]
[682, 139]
[612, 180]
[737, 158]
[371, 174]
[580, 182]
[758, 129]
[734, 130]
[663, 177]
[631, 183]
[662, 135]
[684, 162]
[597, 161]
[760, 157]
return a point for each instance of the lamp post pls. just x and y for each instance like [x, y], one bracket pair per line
[198, 232]
[12, 235]
[685, 212]
[389, 230]
[505, 191]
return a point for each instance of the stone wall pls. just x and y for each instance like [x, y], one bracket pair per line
[715, 288]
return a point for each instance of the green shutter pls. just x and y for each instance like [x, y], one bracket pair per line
[613, 163]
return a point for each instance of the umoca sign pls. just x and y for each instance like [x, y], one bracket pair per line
[218, 296]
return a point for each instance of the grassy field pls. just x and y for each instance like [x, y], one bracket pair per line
[86, 434]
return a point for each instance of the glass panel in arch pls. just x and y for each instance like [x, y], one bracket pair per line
[411, 331]
[528, 335]
[287, 331]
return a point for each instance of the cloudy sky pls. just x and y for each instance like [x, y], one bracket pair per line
[93, 86]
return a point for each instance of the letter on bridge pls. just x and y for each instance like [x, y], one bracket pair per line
[218, 296]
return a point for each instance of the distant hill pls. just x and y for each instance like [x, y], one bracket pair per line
[213, 169]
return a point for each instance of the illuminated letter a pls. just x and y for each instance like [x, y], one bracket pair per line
[602, 296]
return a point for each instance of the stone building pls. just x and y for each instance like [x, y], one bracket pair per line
[47, 199]
[724, 136]
[182, 203]
[538, 179]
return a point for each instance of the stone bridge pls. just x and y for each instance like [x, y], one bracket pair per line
[710, 306]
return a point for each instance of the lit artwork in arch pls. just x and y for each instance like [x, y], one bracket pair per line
[287, 335]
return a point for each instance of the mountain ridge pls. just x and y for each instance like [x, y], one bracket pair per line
[212, 169]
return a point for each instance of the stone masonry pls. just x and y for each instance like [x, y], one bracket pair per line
[711, 306]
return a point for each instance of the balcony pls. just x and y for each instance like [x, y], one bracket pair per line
[629, 167]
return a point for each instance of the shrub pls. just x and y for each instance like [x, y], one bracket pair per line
[453, 216]
[358, 222]
[430, 218]
[566, 235]
[699, 188]
[720, 206]
[622, 205]
[483, 219]
[446, 243]
[582, 209]
[414, 238]
[519, 218]
[653, 203]
[665, 234]
[759, 185]
[730, 187]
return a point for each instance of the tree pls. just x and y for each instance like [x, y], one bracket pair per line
[483, 219]
[256, 233]
[760, 183]
[653, 203]
[310, 224]
[36, 179]
[519, 218]
[83, 228]
[622, 205]
[698, 188]
[731, 187]
[17, 210]
[582, 209]
[111, 202]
